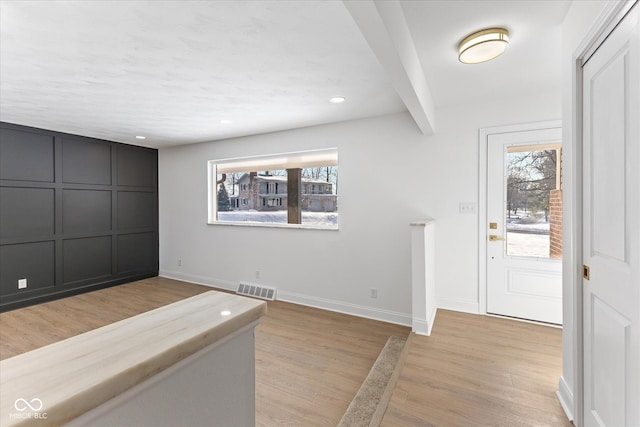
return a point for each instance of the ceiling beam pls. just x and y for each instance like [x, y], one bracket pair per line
[384, 27]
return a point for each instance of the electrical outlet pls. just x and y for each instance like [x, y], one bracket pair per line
[22, 283]
[179, 263]
[374, 293]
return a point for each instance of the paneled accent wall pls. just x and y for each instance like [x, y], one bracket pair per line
[76, 214]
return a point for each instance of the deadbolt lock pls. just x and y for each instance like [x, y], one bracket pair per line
[493, 225]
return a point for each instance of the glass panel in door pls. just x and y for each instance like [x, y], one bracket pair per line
[533, 214]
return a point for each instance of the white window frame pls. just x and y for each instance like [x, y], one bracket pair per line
[301, 159]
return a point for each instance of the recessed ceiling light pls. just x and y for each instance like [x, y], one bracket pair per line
[483, 46]
[337, 99]
[140, 137]
[226, 121]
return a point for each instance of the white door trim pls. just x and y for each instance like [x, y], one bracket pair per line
[483, 140]
[609, 18]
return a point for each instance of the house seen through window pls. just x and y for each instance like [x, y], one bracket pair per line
[293, 188]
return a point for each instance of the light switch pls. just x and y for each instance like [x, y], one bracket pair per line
[467, 208]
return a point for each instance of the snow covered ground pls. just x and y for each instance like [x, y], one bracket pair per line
[522, 239]
[527, 223]
[528, 235]
[325, 219]
[537, 228]
[522, 244]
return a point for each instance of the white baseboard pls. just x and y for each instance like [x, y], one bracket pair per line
[432, 320]
[295, 298]
[346, 308]
[199, 280]
[423, 327]
[420, 327]
[465, 306]
[565, 396]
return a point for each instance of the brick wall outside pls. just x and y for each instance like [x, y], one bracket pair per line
[555, 220]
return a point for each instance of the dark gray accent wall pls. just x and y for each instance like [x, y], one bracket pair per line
[76, 214]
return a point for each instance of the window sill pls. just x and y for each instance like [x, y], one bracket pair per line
[275, 225]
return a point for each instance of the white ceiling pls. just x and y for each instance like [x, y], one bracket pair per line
[531, 63]
[171, 70]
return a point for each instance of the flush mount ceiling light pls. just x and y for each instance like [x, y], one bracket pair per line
[483, 46]
[337, 99]
[140, 137]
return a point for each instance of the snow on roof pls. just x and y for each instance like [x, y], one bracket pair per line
[274, 178]
[271, 178]
[315, 181]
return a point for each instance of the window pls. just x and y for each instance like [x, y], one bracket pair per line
[274, 202]
[534, 201]
[264, 177]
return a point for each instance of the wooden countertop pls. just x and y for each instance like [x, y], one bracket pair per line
[68, 378]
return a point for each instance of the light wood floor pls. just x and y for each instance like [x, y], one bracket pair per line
[480, 371]
[32, 327]
[310, 363]
[473, 370]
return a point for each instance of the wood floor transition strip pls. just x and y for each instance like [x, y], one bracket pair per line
[369, 404]
[376, 420]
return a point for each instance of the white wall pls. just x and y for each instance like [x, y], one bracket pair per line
[390, 174]
[578, 22]
[453, 178]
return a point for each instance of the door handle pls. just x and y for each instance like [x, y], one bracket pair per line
[495, 238]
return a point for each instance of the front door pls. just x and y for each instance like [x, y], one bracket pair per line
[611, 228]
[524, 225]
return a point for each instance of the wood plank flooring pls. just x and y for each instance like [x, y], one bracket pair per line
[480, 371]
[473, 370]
[32, 327]
[310, 363]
